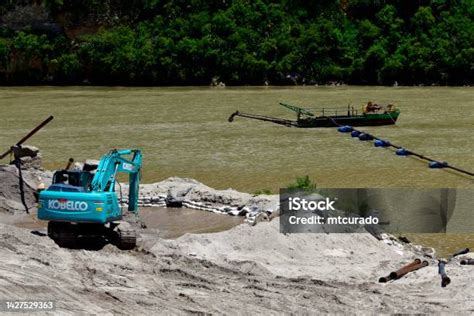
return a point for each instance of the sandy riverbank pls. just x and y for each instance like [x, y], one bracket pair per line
[247, 269]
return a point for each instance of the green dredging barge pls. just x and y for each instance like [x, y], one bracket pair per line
[371, 115]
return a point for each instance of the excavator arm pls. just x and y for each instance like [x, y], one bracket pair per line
[119, 161]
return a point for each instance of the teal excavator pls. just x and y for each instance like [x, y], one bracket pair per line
[84, 204]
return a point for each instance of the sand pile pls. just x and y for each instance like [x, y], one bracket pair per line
[357, 256]
[190, 193]
[244, 270]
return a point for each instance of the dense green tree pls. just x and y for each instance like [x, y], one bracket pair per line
[178, 42]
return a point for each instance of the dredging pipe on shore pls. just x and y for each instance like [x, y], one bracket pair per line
[412, 266]
[458, 253]
[393, 275]
[467, 261]
[445, 280]
[415, 265]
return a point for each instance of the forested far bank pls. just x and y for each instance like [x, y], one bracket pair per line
[159, 42]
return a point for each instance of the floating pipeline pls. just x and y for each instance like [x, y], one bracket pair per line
[400, 151]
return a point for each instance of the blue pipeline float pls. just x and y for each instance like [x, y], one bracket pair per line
[381, 143]
[402, 152]
[355, 133]
[365, 136]
[345, 129]
[438, 164]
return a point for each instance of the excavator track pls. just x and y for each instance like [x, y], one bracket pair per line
[67, 240]
[69, 235]
[126, 240]
[125, 236]
[64, 234]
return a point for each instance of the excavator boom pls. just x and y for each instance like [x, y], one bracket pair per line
[114, 162]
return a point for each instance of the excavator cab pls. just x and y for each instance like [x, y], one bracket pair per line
[71, 181]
